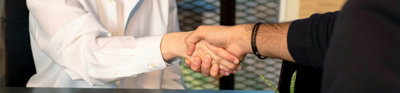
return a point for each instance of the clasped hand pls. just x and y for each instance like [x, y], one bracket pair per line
[214, 52]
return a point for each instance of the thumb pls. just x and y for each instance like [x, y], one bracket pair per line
[191, 41]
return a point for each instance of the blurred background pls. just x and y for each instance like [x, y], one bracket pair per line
[16, 63]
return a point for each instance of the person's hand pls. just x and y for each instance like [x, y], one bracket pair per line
[226, 38]
[235, 39]
[173, 45]
[208, 63]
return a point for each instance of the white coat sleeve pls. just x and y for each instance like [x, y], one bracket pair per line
[77, 41]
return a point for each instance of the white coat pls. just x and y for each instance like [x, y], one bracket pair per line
[95, 43]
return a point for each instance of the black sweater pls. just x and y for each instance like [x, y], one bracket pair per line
[356, 49]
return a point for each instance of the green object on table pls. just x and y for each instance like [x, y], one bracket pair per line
[293, 82]
[272, 86]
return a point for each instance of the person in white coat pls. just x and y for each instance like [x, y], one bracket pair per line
[96, 43]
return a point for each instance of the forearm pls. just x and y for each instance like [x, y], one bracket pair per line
[271, 40]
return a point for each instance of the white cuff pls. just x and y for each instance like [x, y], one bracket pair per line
[150, 48]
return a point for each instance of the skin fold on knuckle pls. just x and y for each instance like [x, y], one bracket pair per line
[227, 64]
[224, 68]
[231, 67]
[207, 61]
[205, 73]
[195, 68]
[217, 60]
[213, 72]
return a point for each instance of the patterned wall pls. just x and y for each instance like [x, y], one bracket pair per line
[193, 13]
[252, 11]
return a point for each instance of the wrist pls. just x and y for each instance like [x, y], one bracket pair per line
[180, 46]
[173, 45]
[245, 37]
[164, 48]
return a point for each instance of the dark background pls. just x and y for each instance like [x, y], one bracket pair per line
[19, 65]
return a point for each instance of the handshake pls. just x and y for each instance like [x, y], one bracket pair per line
[217, 50]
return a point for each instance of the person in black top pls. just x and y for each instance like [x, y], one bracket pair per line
[357, 48]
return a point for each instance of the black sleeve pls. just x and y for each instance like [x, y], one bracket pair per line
[308, 39]
[364, 54]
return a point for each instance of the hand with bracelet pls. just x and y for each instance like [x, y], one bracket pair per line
[268, 39]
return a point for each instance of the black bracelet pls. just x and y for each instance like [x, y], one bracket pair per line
[253, 41]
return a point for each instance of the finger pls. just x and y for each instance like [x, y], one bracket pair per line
[218, 77]
[196, 64]
[223, 73]
[237, 69]
[191, 41]
[188, 62]
[206, 65]
[228, 65]
[214, 70]
[223, 54]
[225, 69]
[223, 64]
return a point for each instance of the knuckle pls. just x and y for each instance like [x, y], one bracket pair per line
[205, 73]
[200, 27]
[218, 60]
[195, 69]
[220, 52]
[225, 69]
[213, 75]
[230, 71]
[231, 66]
